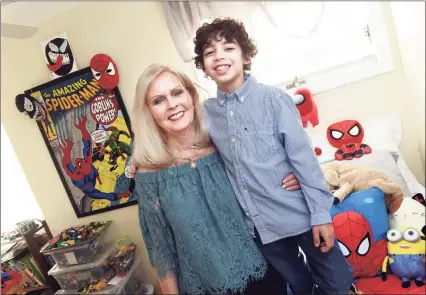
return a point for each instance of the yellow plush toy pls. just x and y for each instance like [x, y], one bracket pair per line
[344, 179]
[406, 255]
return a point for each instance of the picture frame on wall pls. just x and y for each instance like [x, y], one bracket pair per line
[88, 133]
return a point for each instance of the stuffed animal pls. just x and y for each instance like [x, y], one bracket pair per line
[411, 212]
[360, 225]
[306, 106]
[308, 111]
[343, 180]
[406, 255]
[347, 137]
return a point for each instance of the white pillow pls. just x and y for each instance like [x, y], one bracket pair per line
[381, 134]
[413, 185]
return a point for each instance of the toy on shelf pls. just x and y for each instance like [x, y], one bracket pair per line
[78, 234]
[76, 245]
[95, 286]
[10, 236]
[125, 258]
[406, 255]
[5, 276]
[26, 226]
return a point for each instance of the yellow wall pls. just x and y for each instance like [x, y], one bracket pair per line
[135, 34]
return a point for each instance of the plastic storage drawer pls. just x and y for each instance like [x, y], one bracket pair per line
[83, 252]
[78, 276]
[130, 284]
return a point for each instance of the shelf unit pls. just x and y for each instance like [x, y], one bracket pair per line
[34, 248]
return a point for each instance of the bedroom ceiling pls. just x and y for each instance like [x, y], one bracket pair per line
[20, 19]
[32, 13]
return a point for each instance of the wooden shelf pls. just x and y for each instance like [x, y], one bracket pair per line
[39, 258]
[34, 248]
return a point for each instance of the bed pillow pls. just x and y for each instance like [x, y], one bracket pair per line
[360, 225]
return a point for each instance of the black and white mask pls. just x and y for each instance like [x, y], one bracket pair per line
[29, 106]
[59, 56]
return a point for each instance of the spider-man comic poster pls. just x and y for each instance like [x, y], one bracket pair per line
[88, 135]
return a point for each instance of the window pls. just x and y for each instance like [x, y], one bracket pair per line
[17, 199]
[324, 44]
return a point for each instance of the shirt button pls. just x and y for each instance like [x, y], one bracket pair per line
[247, 214]
[233, 139]
[246, 190]
[231, 113]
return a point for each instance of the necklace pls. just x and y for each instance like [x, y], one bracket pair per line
[192, 163]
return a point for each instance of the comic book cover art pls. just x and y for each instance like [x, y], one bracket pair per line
[88, 135]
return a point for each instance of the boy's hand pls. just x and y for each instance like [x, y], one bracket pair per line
[323, 236]
[291, 183]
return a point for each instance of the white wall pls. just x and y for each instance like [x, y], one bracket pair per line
[135, 34]
[409, 20]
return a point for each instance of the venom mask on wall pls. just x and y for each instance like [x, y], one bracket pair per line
[59, 56]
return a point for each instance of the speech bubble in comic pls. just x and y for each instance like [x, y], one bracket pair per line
[99, 136]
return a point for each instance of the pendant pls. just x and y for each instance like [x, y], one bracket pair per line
[192, 164]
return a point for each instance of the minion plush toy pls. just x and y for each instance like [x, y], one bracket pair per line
[406, 255]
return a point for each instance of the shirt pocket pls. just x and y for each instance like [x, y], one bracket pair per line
[258, 141]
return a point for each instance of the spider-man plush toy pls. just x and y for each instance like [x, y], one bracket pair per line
[360, 225]
[347, 137]
[355, 238]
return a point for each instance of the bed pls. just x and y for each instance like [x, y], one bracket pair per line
[383, 134]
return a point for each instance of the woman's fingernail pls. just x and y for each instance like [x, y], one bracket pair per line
[283, 186]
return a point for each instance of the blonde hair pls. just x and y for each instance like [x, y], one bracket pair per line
[150, 147]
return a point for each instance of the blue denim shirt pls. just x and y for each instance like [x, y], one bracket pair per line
[259, 134]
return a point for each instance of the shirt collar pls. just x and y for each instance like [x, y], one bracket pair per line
[241, 93]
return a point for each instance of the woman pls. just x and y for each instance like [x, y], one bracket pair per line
[191, 221]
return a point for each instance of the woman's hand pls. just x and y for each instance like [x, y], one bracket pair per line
[291, 183]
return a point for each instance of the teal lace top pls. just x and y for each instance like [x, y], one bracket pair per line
[193, 226]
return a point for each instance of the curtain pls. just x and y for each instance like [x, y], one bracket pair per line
[183, 19]
[296, 19]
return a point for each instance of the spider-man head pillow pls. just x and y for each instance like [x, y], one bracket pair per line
[360, 225]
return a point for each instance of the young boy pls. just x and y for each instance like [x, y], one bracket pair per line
[258, 132]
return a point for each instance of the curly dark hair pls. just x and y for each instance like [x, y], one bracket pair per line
[231, 30]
